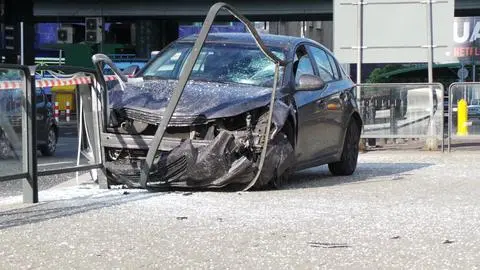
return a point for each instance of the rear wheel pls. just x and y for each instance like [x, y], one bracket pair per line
[49, 148]
[348, 161]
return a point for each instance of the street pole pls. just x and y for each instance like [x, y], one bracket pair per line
[430, 41]
[474, 67]
[22, 49]
[431, 143]
[362, 144]
[360, 46]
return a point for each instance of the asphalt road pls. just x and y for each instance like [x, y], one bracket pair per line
[65, 156]
[400, 210]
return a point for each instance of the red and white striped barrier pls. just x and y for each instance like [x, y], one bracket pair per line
[5, 85]
[56, 113]
[67, 111]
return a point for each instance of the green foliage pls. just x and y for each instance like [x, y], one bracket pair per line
[377, 75]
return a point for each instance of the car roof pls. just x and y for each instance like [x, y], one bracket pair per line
[270, 40]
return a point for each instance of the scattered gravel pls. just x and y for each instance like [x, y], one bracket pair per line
[401, 210]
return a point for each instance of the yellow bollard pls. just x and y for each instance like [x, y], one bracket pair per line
[462, 118]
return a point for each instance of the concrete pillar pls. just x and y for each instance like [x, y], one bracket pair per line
[14, 13]
[153, 35]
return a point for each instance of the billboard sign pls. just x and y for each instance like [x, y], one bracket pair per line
[393, 31]
[466, 38]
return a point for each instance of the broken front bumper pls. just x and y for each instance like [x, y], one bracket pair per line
[143, 142]
[197, 163]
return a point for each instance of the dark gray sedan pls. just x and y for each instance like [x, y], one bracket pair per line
[215, 136]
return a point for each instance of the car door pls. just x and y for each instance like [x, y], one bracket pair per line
[335, 100]
[313, 130]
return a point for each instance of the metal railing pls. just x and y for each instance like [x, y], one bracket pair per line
[89, 98]
[18, 86]
[18, 81]
[402, 110]
[463, 113]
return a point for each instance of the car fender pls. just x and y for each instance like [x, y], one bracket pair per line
[353, 116]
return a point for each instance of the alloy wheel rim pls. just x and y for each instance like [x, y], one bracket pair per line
[51, 140]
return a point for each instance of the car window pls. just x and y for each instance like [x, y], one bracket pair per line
[334, 66]
[475, 102]
[324, 68]
[302, 64]
[164, 66]
[218, 62]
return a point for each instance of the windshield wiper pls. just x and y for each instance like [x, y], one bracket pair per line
[155, 77]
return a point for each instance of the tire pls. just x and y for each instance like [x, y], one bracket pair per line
[49, 148]
[348, 161]
[372, 142]
[278, 181]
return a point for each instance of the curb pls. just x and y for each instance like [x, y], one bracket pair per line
[15, 202]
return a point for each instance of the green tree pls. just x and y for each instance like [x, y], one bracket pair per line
[378, 74]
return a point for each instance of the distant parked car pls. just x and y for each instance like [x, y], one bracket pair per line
[47, 127]
[474, 108]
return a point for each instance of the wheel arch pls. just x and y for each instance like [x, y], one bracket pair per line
[355, 118]
[358, 120]
[290, 130]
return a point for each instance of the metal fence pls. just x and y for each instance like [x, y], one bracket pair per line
[17, 108]
[402, 110]
[463, 114]
[24, 119]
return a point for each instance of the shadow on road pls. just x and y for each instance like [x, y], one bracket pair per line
[311, 178]
[321, 177]
[64, 208]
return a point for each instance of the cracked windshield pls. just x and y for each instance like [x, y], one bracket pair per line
[219, 63]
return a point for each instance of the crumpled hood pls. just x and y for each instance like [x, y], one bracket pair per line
[210, 99]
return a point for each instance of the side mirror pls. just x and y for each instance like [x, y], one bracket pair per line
[308, 82]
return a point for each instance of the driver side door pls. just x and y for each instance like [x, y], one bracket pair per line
[313, 140]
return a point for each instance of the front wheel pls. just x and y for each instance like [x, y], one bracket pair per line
[278, 181]
[348, 161]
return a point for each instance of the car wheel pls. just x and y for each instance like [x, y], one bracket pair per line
[49, 148]
[348, 161]
[279, 181]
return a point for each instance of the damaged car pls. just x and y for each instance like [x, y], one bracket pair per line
[216, 133]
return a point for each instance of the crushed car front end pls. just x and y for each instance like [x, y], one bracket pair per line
[197, 150]
[216, 135]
